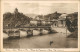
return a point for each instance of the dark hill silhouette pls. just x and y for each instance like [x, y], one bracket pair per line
[72, 21]
[15, 19]
[72, 24]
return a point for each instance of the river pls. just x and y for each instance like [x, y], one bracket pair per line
[59, 41]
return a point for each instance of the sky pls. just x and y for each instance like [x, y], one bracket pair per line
[41, 8]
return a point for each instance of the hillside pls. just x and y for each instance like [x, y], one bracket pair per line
[52, 16]
[72, 24]
[15, 19]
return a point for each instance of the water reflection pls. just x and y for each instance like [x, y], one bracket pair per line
[11, 43]
[59, 41]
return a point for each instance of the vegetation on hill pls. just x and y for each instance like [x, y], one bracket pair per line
[72, 24]
[52, 16]
[15, 19]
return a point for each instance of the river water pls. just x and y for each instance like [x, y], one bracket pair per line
[59, 41]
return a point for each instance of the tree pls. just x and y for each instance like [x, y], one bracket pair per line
[15, 19]
[73, 19]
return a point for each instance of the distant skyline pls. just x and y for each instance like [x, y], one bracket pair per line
[41, 8]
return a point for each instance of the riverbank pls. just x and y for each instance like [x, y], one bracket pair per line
[25, 32]
[65, 30]
[73, 34]
[38, 32]
[59, 41]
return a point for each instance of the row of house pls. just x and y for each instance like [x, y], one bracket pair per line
[60, 22]
[56, 22]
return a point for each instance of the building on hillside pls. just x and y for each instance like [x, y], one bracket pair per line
[59, 22]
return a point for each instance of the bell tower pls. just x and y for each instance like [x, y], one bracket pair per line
[16, 10]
